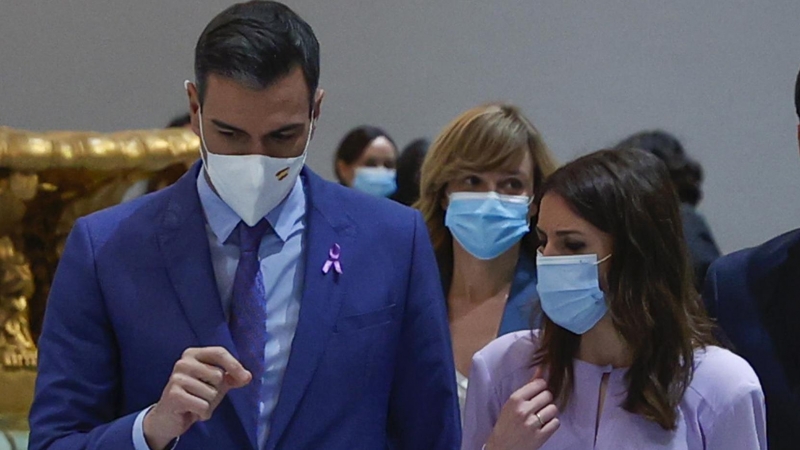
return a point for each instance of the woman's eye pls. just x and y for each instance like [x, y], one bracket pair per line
[472, 181]
[575, 246]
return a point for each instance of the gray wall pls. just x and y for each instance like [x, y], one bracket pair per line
[718, 74]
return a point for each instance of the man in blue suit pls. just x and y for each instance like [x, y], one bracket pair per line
[252, 304]
[755, 296]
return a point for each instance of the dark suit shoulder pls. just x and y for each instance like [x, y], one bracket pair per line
[760, 258]
[778, 244]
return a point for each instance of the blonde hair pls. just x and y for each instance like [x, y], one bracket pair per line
[482, 139]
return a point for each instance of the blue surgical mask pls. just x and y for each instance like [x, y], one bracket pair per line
[569, 290]
[377, 181]
[487, 224]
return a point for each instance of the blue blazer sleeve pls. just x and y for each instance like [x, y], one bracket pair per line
[76, 401]
[424, 403]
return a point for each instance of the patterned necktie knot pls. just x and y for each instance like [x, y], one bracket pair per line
[250, 237]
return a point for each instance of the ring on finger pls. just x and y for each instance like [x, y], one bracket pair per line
[539, 418]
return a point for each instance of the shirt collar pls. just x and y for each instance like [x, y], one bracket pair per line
[223, 220]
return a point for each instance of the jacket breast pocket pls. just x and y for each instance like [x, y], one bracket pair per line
[363, 321]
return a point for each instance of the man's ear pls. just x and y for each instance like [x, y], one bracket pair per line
[315, 112]
[318, 97]
[194, 106]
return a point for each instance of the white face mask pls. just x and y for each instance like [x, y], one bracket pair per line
[252, 185]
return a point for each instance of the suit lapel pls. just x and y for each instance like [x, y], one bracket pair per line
[325, 226]
[184, 244]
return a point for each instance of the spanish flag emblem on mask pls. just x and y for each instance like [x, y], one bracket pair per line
[281, 174]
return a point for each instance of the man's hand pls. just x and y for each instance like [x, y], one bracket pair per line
[199, 382]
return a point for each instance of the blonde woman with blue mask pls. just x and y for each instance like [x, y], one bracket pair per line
[477, 183]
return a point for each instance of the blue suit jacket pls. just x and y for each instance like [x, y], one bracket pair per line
[755, 296]
[523, 311]
[371, 363]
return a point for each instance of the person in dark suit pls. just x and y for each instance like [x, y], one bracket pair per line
[755, 296]
[687, 177]
[251, 305]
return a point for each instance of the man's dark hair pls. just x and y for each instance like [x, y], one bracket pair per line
[256, 43]
[797, 95]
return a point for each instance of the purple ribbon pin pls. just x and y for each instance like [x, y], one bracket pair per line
[333, 260]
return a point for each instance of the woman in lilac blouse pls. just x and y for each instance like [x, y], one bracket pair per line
[626, 359]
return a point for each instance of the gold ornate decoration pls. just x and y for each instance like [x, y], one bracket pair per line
[149, 150]
[17, 349]
[47, 181]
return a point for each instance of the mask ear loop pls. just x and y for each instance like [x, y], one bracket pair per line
[530, 200]
[603, 260]
[606, 295]
[203, 148]
[530, 218]
[311, 127]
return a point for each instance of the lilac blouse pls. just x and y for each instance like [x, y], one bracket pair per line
[723, 408]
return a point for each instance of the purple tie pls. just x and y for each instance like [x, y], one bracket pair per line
[248, 309]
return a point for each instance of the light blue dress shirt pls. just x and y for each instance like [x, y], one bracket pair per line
[282, 256]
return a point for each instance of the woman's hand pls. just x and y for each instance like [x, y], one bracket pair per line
[527, 420]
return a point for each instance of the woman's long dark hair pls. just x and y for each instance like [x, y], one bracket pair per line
[650, 293]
